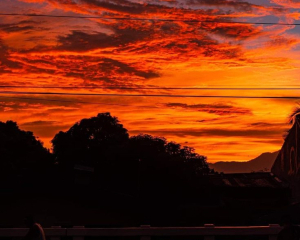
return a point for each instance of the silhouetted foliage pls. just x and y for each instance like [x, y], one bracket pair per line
[164, 166]
[21, 153]
[156, 149]
[295, 113]
[126, 164]
[88, 142]
[292, 119]
[134, 180]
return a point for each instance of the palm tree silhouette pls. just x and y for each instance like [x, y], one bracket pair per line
[292, 119]
[294, 114]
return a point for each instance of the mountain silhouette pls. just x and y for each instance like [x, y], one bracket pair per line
[263, 162]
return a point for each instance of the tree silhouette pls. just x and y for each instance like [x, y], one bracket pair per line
[161, 166]
[126, 164]
[21, 153]
[294, 114]
[89, 142]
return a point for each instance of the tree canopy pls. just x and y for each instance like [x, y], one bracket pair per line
[87, 142]
[137, 165]
[165, 166]
[127, 163]
[20, 151]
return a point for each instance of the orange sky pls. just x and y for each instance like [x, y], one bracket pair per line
[104, 53]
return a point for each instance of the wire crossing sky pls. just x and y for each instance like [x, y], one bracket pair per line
[220, 76]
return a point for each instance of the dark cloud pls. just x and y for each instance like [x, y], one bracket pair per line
[9, 28]
[219, 109]
[7, 105]
[281, 42]
[288, 3]
[109, 71]
[278, 141]
[122, 6]
[93, 69]
[237, 5]
[27, 103]
[80, 41]
[6, 65]
[122, 68]
[267, 124]
[22, 26]
[238, 32]
[216, 132]
[40, 123]
[125, 7]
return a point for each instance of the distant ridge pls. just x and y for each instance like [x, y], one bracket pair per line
[263, 162]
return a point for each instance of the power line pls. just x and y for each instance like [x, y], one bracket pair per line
[146, 95]
[147, 19]
[149, 88]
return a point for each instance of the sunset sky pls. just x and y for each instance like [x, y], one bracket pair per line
[155, 46]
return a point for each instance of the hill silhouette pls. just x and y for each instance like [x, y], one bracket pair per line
[263, 162]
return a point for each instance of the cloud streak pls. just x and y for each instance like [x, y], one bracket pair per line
[218, 109]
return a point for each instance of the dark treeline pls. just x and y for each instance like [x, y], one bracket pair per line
[96, 162]
[101, 145]
[22, 155]
[98, 175]
[124, 162]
